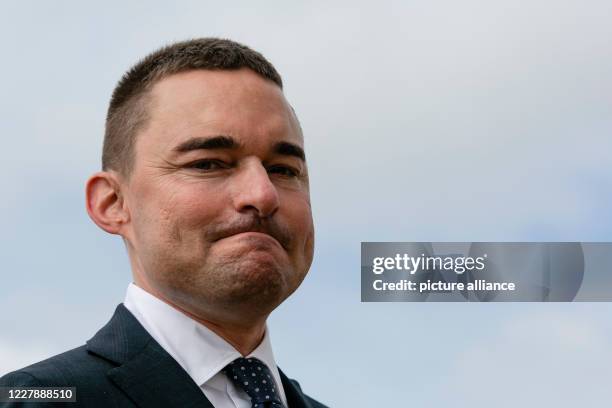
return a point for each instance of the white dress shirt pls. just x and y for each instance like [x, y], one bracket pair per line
[200, 351]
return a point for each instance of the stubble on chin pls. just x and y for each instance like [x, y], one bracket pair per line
[233, 285]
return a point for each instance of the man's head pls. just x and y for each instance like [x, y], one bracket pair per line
[127, 111]
[205, 178]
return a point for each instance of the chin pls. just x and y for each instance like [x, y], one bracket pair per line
[245, 283]
[254, 279]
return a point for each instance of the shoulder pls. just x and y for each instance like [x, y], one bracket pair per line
[313, 403]
[73, 368]
[77, 368]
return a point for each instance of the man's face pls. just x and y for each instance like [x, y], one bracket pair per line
[220, 217]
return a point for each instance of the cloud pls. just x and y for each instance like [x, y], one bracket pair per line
[471, 120]
[16, 355]
[559, 359]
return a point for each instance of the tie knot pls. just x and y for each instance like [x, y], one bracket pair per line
[255, 378]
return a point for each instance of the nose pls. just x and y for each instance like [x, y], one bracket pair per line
[254, 191]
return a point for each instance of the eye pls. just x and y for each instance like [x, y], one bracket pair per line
[285, 171]
[208, 165]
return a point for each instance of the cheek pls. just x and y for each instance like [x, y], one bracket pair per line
[191, 210]
[299, 219]
[171, 213]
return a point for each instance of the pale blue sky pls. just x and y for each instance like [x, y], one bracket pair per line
[424, 121]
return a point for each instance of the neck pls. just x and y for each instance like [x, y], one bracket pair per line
[244, 337]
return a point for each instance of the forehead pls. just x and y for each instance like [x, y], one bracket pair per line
[202, 103]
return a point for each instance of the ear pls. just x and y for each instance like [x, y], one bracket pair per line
[105, 202]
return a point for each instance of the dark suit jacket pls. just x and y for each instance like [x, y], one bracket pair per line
[123, 366]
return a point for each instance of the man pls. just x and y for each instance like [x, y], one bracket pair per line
[205, 179]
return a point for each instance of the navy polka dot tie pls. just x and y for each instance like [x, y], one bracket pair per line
[255, 378]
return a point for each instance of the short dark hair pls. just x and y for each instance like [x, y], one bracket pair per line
[128, 108]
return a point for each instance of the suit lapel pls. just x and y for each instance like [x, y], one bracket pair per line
[145, 371]
[293, 392]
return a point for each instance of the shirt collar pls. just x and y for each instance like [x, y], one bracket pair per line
[201, 352]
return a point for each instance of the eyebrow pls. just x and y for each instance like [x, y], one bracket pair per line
[227, 142]
[207, 143]
[289, 149]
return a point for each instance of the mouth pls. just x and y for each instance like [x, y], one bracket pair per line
[257, 236]
[254, 230]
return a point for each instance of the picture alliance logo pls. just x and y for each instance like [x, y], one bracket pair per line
[478, 271]
[414, 264]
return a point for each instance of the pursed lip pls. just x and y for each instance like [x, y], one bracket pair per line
[271, 229]
[255, 234]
